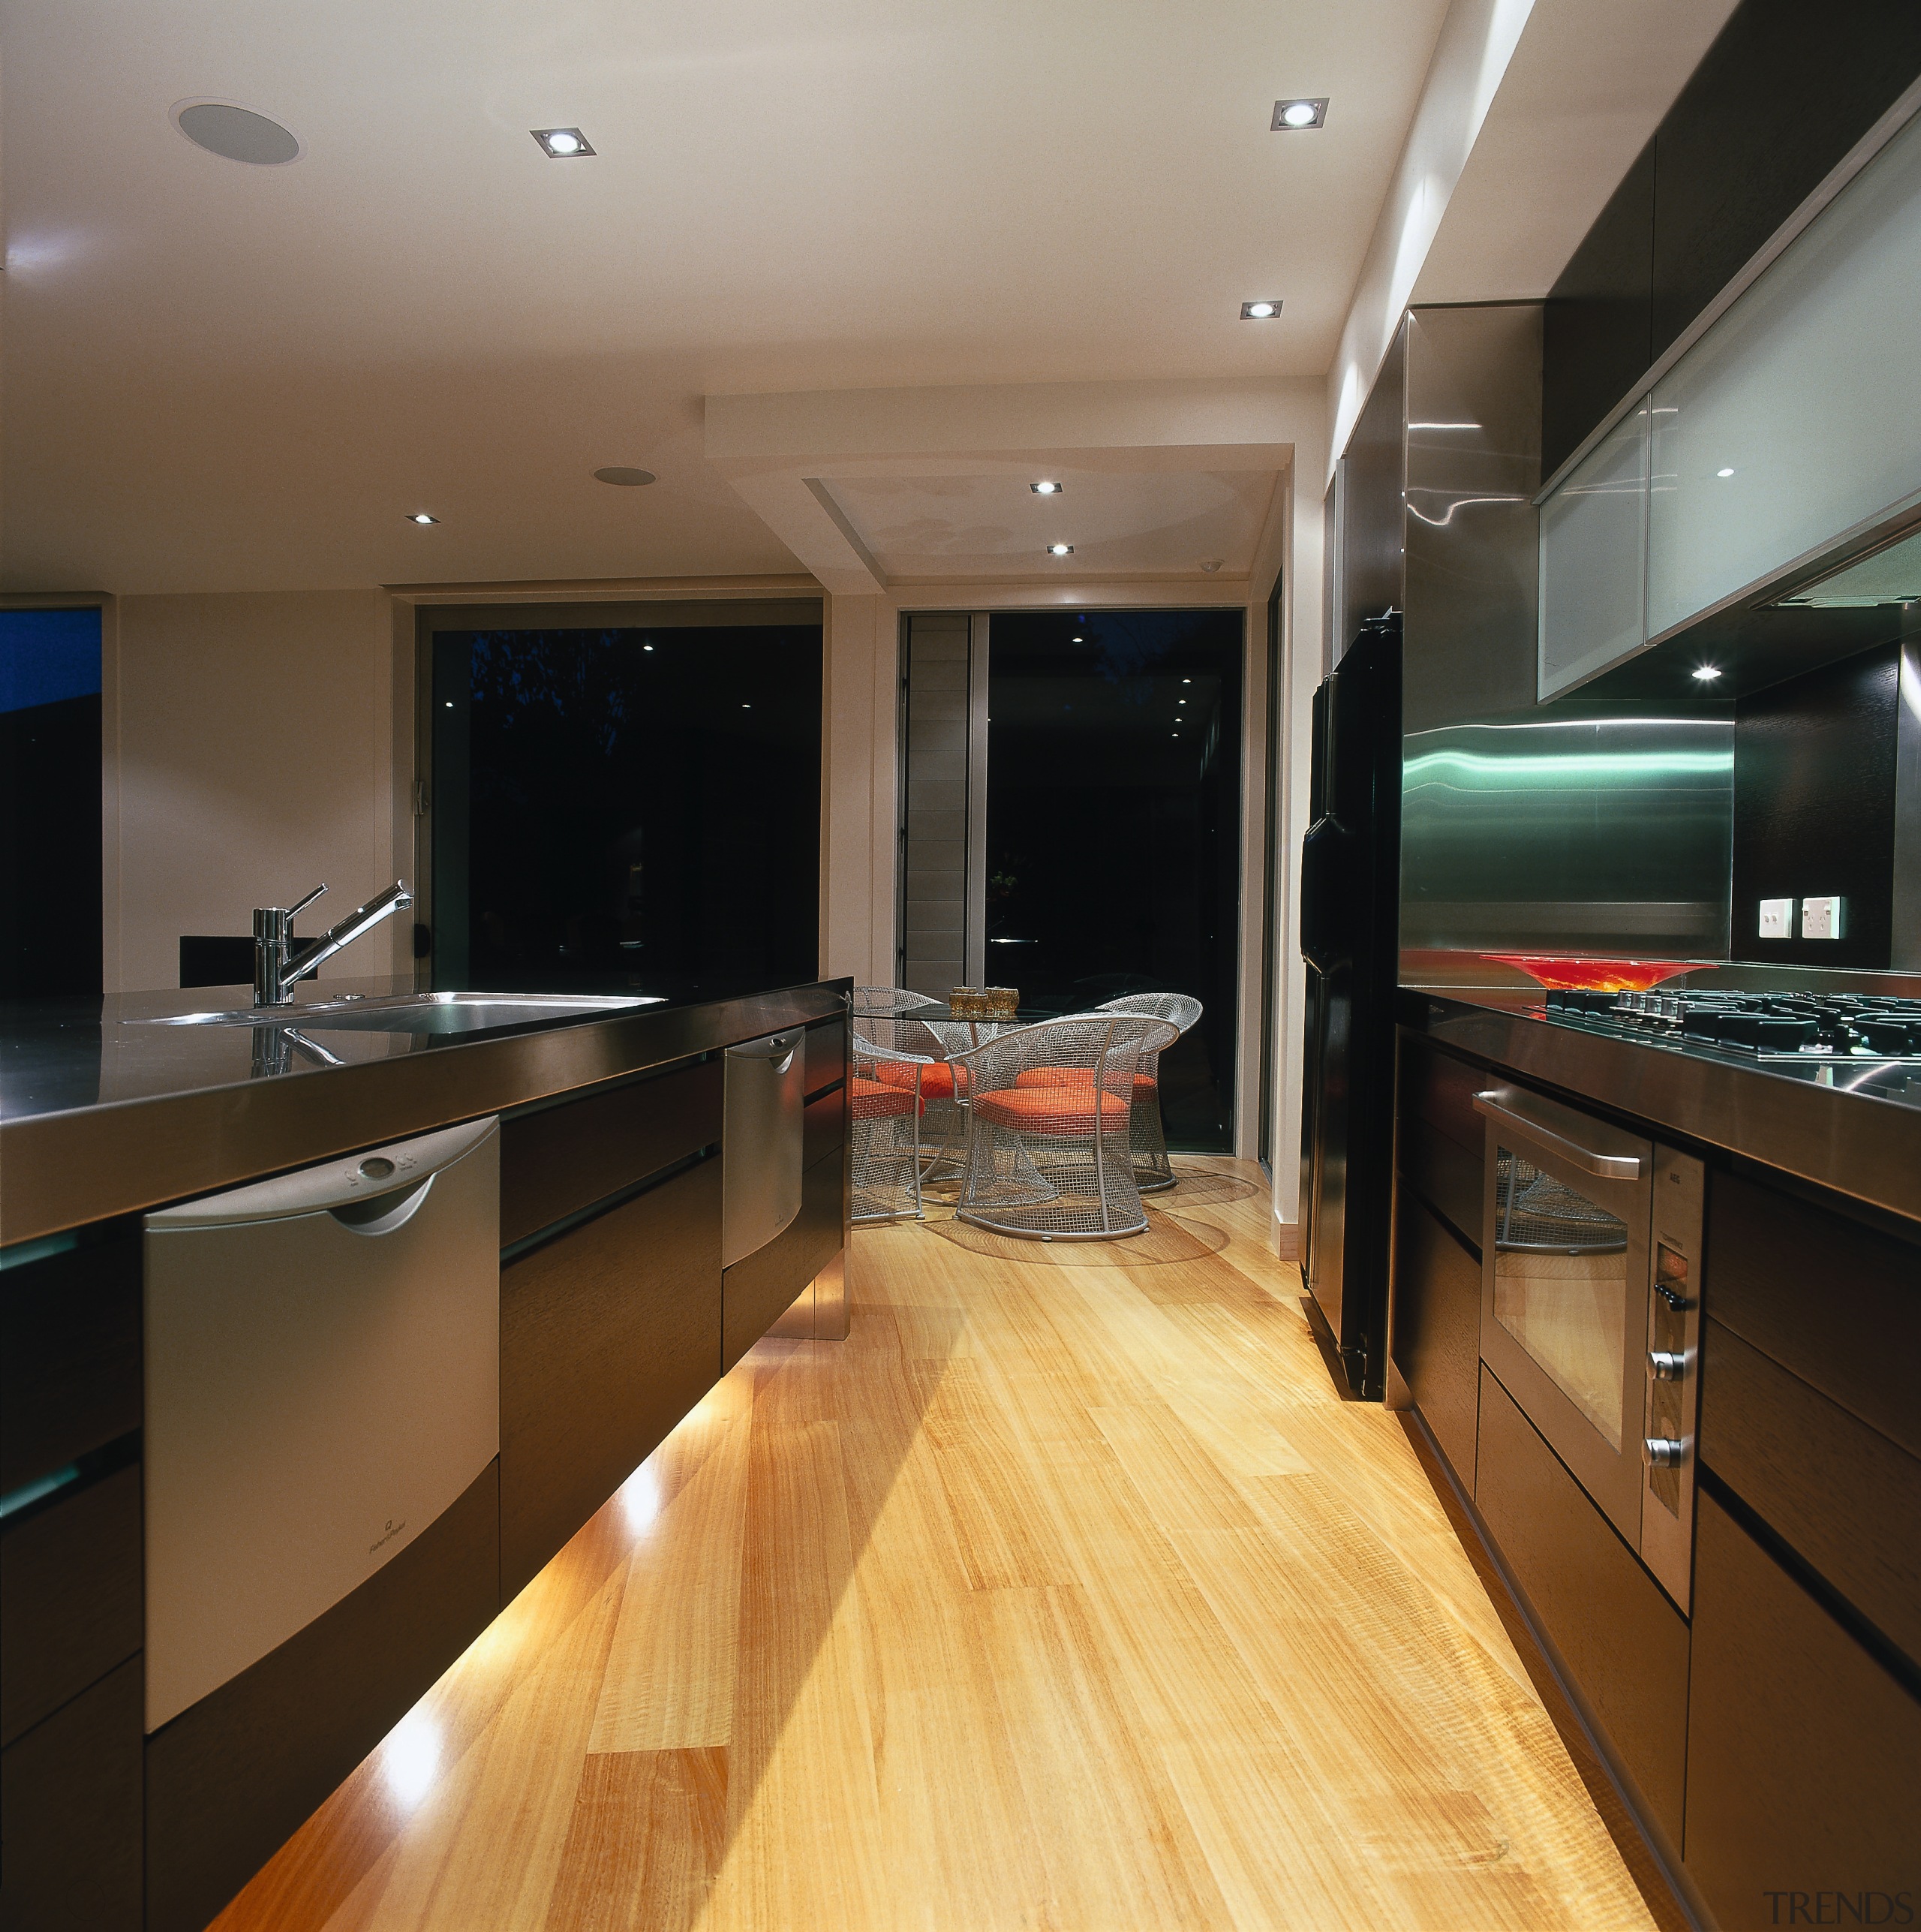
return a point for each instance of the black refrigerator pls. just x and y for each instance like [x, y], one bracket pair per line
[1350, 923]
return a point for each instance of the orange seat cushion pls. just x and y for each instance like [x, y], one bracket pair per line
[870, 1100]
[1062, 1110]
[936, 1080]
[1075, 1076]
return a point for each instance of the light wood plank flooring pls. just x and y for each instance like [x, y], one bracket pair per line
[1065, 1593]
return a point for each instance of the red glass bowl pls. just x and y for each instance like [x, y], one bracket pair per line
[1597, 976]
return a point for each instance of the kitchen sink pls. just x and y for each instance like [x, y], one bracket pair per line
[419, 1012]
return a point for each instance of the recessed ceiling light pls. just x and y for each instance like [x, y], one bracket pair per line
[1294, 117]
[1045, 489]
[235, 133]
[1187, 681]
[1705, 674]
[647, 647]
[1060, 549]
[1080, 640]
[1724, 473]
[421, 516]
[624, 478]
[561, 143]
[1180, 700]
[1259, 312]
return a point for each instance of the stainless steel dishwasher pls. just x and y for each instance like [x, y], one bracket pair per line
[322, 1380]
[764, 1101]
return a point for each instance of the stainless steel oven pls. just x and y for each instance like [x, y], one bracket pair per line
[1590, 1310]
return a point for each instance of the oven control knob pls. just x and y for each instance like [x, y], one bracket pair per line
[1667, 1365]
[1662, 1452]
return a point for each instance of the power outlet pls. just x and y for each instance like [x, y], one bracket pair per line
[1777, 919]
[1822, 918]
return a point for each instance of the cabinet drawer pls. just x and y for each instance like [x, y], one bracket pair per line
[827, 1054]
[1446, 1176]
[1804, 1756]
[561, 1160]
[824, 1127]
[760, 1287]
[1439, 1089]
[70, 1597]
[609, 1335]
[1841, 1493]
[1836, 1303]
[70, 1357]
[1623, 1642]
[1436, 1325]
[69, 1814]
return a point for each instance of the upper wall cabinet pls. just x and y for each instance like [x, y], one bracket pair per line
[1791, 426]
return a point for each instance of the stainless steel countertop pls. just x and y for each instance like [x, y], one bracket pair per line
[1858, 1144]
[102, 1114]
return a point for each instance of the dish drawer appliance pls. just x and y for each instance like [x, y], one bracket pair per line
[323, 1380]
[1590, 1310]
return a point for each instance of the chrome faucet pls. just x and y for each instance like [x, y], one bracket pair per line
[278, 965]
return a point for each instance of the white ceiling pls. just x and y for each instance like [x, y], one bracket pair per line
[224, 377]
[935, 528]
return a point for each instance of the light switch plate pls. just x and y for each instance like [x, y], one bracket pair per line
[1777, 919]
[1821, 918]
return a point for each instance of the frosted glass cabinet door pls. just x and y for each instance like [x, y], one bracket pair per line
[1797, 415]
[1594, 559]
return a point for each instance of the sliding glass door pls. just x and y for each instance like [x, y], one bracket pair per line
[1072, 821]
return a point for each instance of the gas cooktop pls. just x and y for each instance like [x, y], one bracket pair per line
[1779, 1030]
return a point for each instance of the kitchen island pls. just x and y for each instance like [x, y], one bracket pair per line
[615, 1315]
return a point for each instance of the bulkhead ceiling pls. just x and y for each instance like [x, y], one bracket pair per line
[222, 375]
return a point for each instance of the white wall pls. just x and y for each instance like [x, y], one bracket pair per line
[250, 753]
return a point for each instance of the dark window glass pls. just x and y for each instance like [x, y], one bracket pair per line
[49, 802]
[1114, 849]
[619, 810]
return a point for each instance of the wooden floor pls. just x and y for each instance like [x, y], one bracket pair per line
[1064, 1594]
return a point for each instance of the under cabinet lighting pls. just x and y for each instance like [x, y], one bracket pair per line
[1295, 117]
[421, 516]
[1260, 311]
[1045, 489]
[561, 143]
[1060, 549]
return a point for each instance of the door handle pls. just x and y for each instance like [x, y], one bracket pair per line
[1609, 1166]
[779, 1051]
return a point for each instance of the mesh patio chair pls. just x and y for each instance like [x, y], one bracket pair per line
[1153, 1172]
[1047, 1110]
[883, 999]
[885, 1105]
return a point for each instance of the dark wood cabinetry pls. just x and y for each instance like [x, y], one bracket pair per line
[1804, 1763]
[70, 1355]
[233, 1775]
[609, 1335]
[558, 1161]
[1437, 1328]
[69, 1595]
[69, 1814]
[1435, 1321]
[1623, 1645]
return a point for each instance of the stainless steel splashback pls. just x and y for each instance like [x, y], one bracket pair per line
[1565, 829]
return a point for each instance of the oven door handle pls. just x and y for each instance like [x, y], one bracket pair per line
[1609, 1166]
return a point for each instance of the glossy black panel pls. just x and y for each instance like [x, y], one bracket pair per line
[1437, 1329]
[1372, 509]
[1814, 809]
[233, 1777]
[69, 1814]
